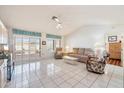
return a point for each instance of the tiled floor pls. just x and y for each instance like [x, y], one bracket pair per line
[51, 73]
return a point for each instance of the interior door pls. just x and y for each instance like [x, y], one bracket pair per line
[115, 50]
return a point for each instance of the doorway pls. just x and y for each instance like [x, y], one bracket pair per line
[115, 53]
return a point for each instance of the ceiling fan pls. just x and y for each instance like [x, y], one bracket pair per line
[59, 24]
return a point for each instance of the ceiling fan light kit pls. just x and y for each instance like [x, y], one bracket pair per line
[59, 25]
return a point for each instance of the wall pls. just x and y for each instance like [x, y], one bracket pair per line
[89, 36]
[86, 36]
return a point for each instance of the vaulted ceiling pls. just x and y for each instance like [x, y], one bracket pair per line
[38, 18]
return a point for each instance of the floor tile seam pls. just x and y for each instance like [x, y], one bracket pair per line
[110, 78]
[82, 79]
[94, 81]
[40, 80]
[68, 79]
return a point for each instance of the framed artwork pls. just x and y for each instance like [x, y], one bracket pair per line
[112, 38]
[43, 42]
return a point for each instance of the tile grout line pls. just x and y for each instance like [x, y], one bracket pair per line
[81, 79]
[65, 80]
[40, 80]
[94, 81]
[110, 78]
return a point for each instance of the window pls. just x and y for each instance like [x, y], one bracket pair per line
[52, 44]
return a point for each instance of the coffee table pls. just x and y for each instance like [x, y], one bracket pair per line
[70, 60]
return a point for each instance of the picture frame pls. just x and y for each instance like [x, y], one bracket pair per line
[43, 42]
[112, 38]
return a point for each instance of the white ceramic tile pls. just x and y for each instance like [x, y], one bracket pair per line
[72, 81]
[65, 85]
[77, 77]
[35, 84]
[89, 80]
[50, 85]
[58, 80]
[51, 73]
[46, 80]
[79, 85]
[99, 84]
[115, 83]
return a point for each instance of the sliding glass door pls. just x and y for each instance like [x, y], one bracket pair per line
[52, 44]
[26, 48]
[34, 48]
[17, 48]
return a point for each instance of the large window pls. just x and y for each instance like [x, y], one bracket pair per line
[25, 45]
[57, 43]
[18, 45]
[26, 48]
[52, 44]
[34, 46]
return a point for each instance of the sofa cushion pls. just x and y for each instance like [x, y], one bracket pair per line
[88, 51]
[84, 58]
[81, 51]
[75, 55]
[75, 50]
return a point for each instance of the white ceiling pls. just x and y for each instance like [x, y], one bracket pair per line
[38, 18]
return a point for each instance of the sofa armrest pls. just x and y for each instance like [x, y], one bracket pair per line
[92, 55]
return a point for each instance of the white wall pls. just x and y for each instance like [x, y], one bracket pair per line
[86, 36]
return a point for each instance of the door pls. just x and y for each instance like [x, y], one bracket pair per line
[34, 48]
[115, 50]
[18, 49]
[50, 47]
[52, 44]
[26, 49]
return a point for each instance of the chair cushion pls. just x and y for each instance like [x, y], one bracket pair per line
[59, 52]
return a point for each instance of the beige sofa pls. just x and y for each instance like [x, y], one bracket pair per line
[82, 54]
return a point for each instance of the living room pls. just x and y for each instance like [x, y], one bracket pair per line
[62, 49]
